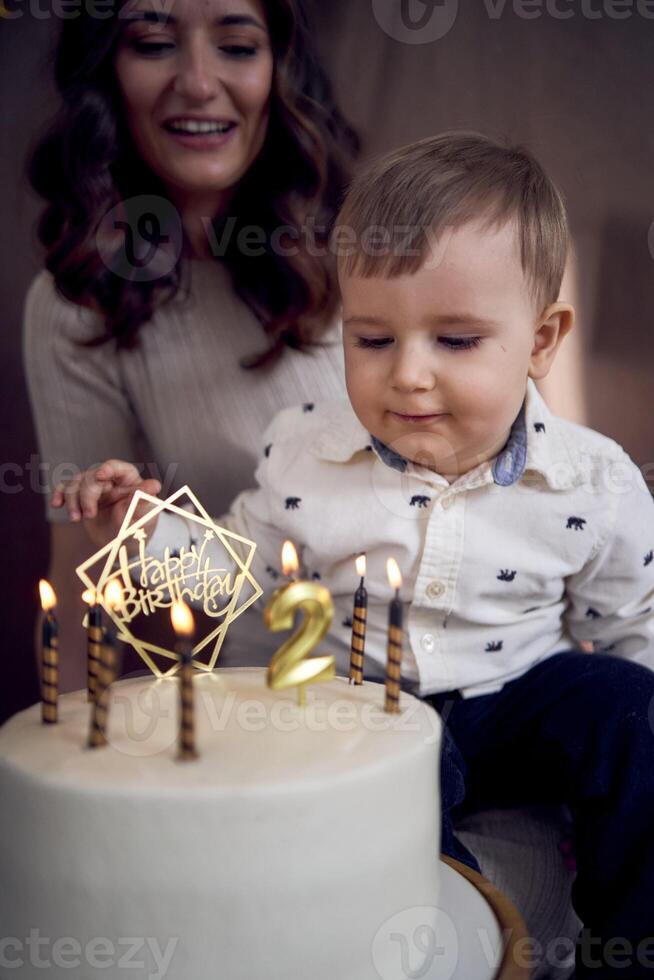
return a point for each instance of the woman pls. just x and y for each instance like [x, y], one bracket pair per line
[190, 182]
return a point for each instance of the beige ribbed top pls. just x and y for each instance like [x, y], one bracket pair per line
[179, 403]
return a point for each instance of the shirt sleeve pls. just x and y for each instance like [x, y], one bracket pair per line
[81, 409]
[251, 516]
[611, 600]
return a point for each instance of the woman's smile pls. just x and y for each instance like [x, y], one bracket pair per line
[205, 136]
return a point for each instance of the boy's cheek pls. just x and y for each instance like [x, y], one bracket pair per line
[350, 366]
[361, 405]
[365, 387]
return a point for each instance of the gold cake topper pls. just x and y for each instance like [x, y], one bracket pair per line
[149, 584]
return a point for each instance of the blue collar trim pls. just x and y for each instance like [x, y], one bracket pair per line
[389, 456]
[510, 465]
[507, 469]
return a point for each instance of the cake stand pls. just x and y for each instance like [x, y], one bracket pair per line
[477, 931]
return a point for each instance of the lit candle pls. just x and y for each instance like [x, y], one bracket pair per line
[182, 620]
[292, 665]
[359, 625]
[107, 672]
[394, 662]
[93, 641]
[49, 655]
[290, 562]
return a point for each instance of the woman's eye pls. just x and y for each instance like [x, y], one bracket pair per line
[239, 50]
[150, 48]
[154, 48]
[373, 343]
[460, 343]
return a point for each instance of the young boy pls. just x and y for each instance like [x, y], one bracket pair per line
[519, 535]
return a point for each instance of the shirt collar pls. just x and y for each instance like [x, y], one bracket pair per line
[341, 436]
[537, 443]
[509, 465]
[551, 452]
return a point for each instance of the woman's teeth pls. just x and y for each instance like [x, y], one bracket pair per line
[198, 126]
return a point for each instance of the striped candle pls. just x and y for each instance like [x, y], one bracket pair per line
[49, 656]
[359, 617]
[394, 661]
[182, 619]
[108, 669]
[94, 636]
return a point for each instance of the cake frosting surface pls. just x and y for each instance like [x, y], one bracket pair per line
[280, 852]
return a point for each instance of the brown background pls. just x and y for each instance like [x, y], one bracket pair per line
[579, 92]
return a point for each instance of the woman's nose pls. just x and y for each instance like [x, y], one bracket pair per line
[198, 73]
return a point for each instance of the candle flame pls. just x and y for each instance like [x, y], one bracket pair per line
[394, 574]
[48, 596]
[89, 597]
[182, 619]
[290, 561]
[113, 595]
[361, 565]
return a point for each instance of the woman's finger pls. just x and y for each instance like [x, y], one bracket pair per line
[58, 496]
[98, 486]
[85, 494]
[116, 493]
[91, 491]
[120, 472]
[153, 487]
[70, 493]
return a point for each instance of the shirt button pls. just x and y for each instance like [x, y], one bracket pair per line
[435, 590]
[428, 642]
[447, 502]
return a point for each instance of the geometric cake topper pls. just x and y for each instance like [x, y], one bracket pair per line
[222, 589]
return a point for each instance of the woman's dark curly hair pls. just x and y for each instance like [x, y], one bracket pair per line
[86, 165]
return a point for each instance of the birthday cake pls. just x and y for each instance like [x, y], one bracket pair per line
[284, 851]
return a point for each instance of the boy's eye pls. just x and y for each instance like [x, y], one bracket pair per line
[452, 343]
[373, 343]
[460, 343]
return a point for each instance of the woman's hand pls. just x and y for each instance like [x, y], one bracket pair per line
[101, 497]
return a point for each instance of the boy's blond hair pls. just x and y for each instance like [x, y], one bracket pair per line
[420, 190]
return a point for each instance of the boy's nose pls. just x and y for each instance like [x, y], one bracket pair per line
[412, 371]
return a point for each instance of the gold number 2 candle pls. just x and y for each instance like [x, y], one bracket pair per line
[292, 665]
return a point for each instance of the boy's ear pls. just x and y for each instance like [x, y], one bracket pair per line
[554, 323]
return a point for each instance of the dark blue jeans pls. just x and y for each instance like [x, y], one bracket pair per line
[577, 728]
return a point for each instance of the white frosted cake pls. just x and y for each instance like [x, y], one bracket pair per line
[279, 854]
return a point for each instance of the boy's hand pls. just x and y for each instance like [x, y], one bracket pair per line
[102, 496]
